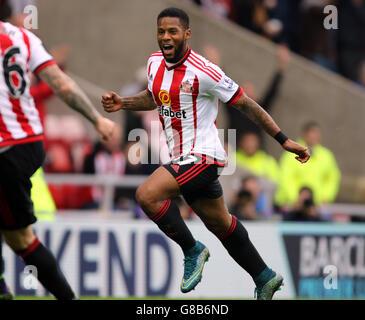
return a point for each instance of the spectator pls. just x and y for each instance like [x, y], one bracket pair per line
[220, 9]
[251, 185]
[6, 11]
[304, 209]
[106, 158]
[243, 124]
[43, 202]
[289, 15]
[244, 206]
[351, 44]
[317, 44]
[63, 134]
[250, 157]
[255, 15]
[321, 174]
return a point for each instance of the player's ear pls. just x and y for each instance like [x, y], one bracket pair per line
[187, 34]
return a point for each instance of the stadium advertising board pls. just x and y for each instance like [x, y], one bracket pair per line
[326, 260]
[133, 258]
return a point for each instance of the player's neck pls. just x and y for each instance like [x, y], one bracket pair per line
[182, 57]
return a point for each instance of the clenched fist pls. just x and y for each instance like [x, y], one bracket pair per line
[111, 102]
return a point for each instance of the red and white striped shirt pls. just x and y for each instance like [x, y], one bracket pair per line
[187, 95]
[21, 53]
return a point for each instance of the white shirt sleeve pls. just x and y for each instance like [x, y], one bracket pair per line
[221, 86]
[38, 54]
[225, 89]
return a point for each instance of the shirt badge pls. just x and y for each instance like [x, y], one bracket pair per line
[187, 87]
[228, 82]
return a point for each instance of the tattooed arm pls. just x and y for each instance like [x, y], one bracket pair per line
[67, 89]
[259, 116]
[139, 102]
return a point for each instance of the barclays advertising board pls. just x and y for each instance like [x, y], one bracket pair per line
[326, 260]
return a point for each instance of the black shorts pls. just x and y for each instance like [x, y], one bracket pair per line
[197, 176]
[17, 165]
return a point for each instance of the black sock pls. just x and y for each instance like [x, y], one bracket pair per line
[241, 249]
[170, 222]
[49, 273]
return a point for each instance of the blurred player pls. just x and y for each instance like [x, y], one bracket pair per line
[185, 88]
[21, 146]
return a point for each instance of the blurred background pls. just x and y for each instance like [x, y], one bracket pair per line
[310, 76]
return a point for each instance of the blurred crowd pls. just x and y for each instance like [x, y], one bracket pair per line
[299, 25]
[300, 191]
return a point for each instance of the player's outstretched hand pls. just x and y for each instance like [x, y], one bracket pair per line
[105, 128]
[302, 152]
[111, 102]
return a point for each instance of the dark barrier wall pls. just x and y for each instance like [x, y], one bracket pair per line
[111, 39]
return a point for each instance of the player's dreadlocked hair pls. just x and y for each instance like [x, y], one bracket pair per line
[175, 13]
[5, 10]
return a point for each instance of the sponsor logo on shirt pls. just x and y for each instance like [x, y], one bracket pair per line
[168, 112]
[164, 97]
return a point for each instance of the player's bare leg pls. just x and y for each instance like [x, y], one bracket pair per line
[154, 196]
[159, 187]
[213, 213]
[25, 243]
[19, 239]
[234, 237]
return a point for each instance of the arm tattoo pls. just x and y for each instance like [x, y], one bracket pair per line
[67, 89]
[139, 102]
[257, 114]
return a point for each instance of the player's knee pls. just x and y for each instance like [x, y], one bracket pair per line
[144, 197]
[140, 197]
[18, 239]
